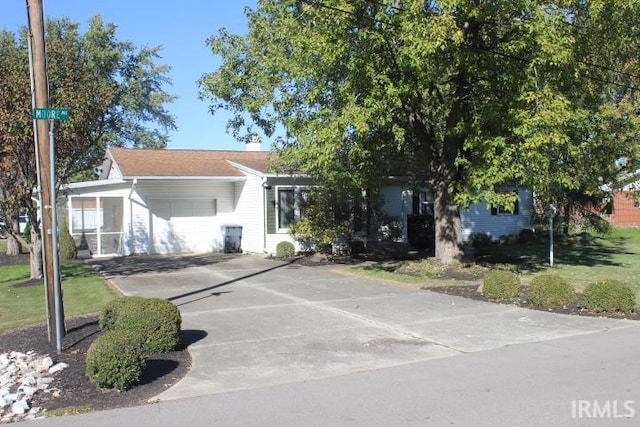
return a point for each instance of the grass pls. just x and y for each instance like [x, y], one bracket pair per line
[84, 292]
[580, 259]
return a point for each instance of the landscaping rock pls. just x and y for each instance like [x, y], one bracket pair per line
[22, 376]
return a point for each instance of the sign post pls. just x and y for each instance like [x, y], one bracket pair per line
[51, 115]
[551, 212]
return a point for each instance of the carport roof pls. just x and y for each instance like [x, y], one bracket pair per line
[135, 162]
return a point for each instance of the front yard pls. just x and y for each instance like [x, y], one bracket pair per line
[22, 301]
[580, 259]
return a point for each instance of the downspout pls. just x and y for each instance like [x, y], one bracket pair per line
[265, 187]
[130, 197]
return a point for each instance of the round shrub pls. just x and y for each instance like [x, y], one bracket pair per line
[157, 319]
[526, 235]
[608, 296]
[550, 290]
[285, 250]
[501, 284]
[117, 359]
[479, 240]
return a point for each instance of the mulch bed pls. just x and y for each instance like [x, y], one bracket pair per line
[162, 371]
[471, 291]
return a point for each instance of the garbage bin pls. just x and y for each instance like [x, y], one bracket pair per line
[232, 238]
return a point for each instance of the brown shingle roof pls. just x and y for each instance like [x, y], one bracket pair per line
[135, 162]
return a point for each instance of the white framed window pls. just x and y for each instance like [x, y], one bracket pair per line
[288, 209]
[502, 210]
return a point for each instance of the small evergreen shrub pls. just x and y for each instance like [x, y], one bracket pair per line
[26, 234]
[609, 296]
[551, 290]
[67, 245]
[479, 240]
[117, 359]
[157, 319]
[501, 284]
[526, 235]
[285, 249]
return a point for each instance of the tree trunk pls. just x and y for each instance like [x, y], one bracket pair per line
[13, 246]
[448, 226]
[35, 252]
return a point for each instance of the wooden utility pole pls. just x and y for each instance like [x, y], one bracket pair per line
[45, 169]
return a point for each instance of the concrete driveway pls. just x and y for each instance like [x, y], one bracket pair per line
[253, 322]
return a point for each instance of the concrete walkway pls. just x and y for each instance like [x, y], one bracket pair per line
[255, 322]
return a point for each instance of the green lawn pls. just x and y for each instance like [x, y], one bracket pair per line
[83, 290]
[583, 259]
[579, 259]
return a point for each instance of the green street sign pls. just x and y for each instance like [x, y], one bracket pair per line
[51, 114]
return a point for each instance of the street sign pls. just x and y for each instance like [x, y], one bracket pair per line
[51, 114]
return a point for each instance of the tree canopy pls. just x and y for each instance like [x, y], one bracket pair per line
[113, 89]
[465, 95]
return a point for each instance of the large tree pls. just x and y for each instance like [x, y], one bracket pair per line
[113, 89]
[472, 95]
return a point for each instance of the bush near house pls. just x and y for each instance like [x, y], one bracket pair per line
[117, 359]
[285, 249]
[501, 284]
[551, 290]
[608, 296]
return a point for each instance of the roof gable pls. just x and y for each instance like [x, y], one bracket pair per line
[136, 162]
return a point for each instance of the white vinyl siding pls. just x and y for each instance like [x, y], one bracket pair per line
[478, 219]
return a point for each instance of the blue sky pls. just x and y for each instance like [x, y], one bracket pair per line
[181, 28]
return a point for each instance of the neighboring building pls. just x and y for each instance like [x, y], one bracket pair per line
[196, 201]
[626, 209]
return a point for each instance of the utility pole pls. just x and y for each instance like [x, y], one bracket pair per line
[46, 170]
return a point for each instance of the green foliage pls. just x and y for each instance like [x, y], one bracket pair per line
[465, 96]
[113, 88]
[323, 220]
[285, 249]
[501, 284]
[27, 232]
[608, 296]
[117, 359]
[68, 249]
[551, 290]
[158, 321]
[526, 235]
[479, 240]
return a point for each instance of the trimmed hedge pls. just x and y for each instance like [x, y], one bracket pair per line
[608, 296]
[116, 359]
[285, 249]
[501, 284]
[157, 320]
[551, 290]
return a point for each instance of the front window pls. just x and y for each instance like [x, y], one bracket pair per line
[288, 207]
[502, 210]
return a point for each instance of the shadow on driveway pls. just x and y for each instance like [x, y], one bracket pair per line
[139, 264]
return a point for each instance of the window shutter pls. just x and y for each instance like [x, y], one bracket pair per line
[494, 210]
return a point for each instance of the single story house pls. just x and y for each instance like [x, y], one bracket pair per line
[198, 201]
